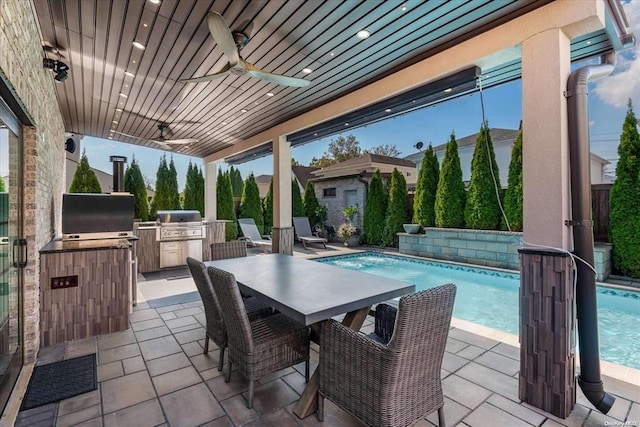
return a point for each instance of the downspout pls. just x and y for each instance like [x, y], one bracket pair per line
[578, 121]
[366, 189]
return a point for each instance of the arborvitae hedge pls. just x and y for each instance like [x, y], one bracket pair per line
[85, 179]
[375, 212]
[450, 196]
[134, 184]
[194, 189]
[173, 186]
[297, 207]
[397, 208]
[236, 181]
[311, 204]
[224, 205]
[250, 203]
[268, 208]
[624, 222]
[513, 195]
[424, 200]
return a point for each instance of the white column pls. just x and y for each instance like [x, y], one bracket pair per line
[282, 183]
[545, 162]
[210, 176]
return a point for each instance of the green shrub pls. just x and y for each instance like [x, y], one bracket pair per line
[224, 205]
[85, 179]
[250, 203]
[450, 195]
[297, 207]
[194, 189]
[513, 195]
[397, 208]
[134, 184]
[424, 200]
[311, 205]
[268, 208]
[375, 212]
[174, 194]
[624, 222]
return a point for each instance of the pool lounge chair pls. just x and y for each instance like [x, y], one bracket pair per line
[252, 235]
[303, 231]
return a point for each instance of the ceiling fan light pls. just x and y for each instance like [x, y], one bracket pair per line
[363, 34]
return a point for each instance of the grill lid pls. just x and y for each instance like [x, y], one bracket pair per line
[181, 216]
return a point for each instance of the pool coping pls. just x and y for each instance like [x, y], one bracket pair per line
[609, 369]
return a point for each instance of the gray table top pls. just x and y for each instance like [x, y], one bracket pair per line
[309, 291]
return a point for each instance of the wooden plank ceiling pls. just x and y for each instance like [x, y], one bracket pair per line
[113, 86]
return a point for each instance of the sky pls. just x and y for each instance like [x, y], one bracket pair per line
[463, 116]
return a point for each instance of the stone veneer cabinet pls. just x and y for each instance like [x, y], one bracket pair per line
[97, 302]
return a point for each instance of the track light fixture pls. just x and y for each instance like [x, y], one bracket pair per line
[60, 68]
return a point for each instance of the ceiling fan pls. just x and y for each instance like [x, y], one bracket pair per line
[231, 43]
[164, 143]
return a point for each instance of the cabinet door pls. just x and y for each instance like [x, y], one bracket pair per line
[171, 254]
[193, 249]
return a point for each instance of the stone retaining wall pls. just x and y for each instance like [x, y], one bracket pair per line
[481, 247]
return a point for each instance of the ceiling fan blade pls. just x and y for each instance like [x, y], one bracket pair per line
[273, 78]
[222, 35]
[184, 141]
[209, 77]
[163, 145]
[130, 136]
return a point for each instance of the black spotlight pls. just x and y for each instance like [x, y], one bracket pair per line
[61, 69]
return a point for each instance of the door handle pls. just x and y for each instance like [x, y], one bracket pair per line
[20, 244]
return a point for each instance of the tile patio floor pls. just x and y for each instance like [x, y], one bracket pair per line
[155, 374]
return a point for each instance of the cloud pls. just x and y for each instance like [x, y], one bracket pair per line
[625, 81]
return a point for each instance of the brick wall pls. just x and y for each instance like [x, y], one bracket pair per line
[43, 146]
[336, 204]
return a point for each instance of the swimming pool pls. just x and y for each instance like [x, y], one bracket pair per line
[490, 298]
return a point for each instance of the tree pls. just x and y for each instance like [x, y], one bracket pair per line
[250, 203]
[3, 189]
[389, 150]
[236, 181]
[311, 204]
[85, 179]
[450, 195]
[224, 205]
[482, 210]
[174, 194]
[396, 209]
[375, 212]
[134, 184]
[162, 198]
[194, 189]
[624, 222]
[297, 207]
[424, 200]
[268, 208]
[513, 195]
[339, 150]
[294, 162]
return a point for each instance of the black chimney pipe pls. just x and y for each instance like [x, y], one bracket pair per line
[118, 173]
[589, 380]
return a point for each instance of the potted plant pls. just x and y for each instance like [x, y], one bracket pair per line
[347, 231]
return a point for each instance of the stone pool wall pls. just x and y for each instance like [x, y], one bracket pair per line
[481, 247]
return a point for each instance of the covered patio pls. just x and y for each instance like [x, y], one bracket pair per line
[118, 67]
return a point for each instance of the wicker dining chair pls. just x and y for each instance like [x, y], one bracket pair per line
[391, 378]
[216, 330]
[231, 249]
[261, 346]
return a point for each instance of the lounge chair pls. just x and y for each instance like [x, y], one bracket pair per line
[303, 231]
[393, 377]
[251, 234]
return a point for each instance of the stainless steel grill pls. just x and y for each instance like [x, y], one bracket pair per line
[180, 235]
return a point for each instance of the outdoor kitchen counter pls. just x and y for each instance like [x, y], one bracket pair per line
[85, 288]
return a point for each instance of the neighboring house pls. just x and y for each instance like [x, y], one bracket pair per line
[302, 174]
[346, 184]
[503, 140]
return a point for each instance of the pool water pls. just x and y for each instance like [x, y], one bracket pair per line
[490, 298]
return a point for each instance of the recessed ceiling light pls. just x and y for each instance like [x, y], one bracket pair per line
[145, 25]
[208, 133]
[123, 95]
[115, 122]
[154, 1]
[346, 124]
[269, 93]
[134, 61]
[315, 134]
[224, 123]
[126, 85]
[404, 8]
[307, 70]
[138, 45]
[129, 74]
[331, 54]
[119, 110]
[255, 103]
[588, 41]
[388, 110]
[243, 111]
[363, 34]
[447, 90]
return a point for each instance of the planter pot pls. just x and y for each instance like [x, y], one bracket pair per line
[411, 228]
[352, 241]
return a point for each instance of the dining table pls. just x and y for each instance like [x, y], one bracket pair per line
[311, 292]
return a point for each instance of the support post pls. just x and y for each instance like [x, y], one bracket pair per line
[282, 233]
[210, 176]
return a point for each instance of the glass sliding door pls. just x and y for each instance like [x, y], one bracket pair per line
[11, 327]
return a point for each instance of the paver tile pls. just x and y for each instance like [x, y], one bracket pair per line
[149, 334]
[236, 409]
[166, 364]
[147, 324]
[110, 370]
[81, 401]
[516, 409]
[222, 390]
[191, 406]
[118, 353]
[180, 321]
[190, 335]
[507, 350]
[116, 339]
[464, 392]
[77, 417]
[491, 379]
[159, 347]
[471, 338]
[500, 363]
[175, 380]
[271, 396]
[81, 347]
[453, 413]
[140, 315]
[489, 415]
[125, 391]
[147, 413]
[133, 364]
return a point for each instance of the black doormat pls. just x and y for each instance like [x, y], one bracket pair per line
[61, 380]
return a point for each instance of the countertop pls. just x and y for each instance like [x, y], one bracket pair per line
[57, 245]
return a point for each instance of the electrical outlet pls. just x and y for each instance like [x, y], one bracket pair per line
[64, 282]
